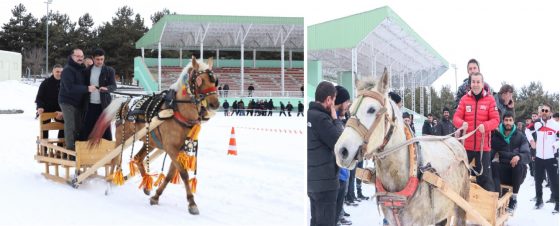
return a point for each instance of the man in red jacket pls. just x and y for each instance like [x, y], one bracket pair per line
[475, 108]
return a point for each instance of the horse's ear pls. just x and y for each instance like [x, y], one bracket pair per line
[194, 63]
[210, 63]
[383, 83]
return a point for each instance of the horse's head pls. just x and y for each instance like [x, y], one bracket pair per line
[372, 114]
[199, 82]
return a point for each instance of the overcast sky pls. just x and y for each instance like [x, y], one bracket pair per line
[514, 42]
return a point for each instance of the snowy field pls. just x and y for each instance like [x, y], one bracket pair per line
[263, 185]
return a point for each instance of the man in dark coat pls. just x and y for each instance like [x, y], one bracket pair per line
[226, 90]
[512, 148]
[251, 88]
[428, 127]
[270, 107]
[225, 105]
[289, 107]
[472, 67]
[282, 109]
[47, 98]
[103, 77]
[444, 126]
[323, 130]
[300, 109]
[72, 96]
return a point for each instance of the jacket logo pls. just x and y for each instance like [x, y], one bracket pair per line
[469, 108]
[483, 107]
[309, 124]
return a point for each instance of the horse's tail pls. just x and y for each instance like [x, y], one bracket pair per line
[104, 121]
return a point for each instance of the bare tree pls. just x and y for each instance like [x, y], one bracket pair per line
[35, 58]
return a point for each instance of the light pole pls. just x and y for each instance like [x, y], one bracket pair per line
[48, 2]
[454, 66]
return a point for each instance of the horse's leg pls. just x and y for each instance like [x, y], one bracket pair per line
[139, 160]
[154, 200]
[193, 209]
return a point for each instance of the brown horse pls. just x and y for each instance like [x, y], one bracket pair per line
[194, 96]
[376, 130]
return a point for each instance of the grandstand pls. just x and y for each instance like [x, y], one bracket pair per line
[272, 78]
[358, 46]
[265, 80]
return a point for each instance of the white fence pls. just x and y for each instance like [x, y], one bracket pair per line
[260, 93]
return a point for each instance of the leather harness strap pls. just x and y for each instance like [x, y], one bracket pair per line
[393, 200]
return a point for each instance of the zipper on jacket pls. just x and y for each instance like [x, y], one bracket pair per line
[475, 127]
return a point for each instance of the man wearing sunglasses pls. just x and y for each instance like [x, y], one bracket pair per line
[546, 154]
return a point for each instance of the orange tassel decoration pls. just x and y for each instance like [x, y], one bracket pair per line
[176, 178]
[183, 159]
[147, 182]
[159, 180]
[132, 167]
[191, 163]
[192, 184]
[118, 178]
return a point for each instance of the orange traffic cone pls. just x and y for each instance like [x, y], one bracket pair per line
[232, 146]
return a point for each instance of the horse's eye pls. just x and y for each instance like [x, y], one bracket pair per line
[371, 110]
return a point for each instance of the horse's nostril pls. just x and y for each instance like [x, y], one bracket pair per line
[344, 153]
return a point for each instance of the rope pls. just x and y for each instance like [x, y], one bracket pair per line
[431, 138]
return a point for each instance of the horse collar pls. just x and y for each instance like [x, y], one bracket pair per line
[183, 121]
[398, 200]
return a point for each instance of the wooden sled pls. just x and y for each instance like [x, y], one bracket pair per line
[56, 157]
[85, 160]
[482, 207]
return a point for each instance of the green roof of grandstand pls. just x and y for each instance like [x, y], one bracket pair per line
[224, 32]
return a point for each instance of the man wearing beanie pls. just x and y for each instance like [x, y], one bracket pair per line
[346, 177]
[323, 130]
[396, 98]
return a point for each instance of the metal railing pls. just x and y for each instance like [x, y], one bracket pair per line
[237, 93]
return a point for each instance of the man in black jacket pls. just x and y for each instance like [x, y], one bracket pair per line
[102, 77]
[512, 154]
[47, 98]
[444, 126]
[428, 127]
[300, 109]
[289, 107]
[72, 96]
[323, 130]
[225, 105]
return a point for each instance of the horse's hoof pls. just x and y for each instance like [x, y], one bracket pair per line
[154, 201]
[193, 210]
[147, 192]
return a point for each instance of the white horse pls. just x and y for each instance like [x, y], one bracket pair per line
[376, 130]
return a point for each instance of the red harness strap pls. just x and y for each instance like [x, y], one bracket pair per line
[398, 199]
[211, 89]
[409, 189]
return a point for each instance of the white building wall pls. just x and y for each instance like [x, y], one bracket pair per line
[10, 65]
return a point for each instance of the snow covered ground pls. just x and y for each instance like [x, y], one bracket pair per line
[263, 185]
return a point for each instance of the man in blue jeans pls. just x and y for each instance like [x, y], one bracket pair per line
[323, 130]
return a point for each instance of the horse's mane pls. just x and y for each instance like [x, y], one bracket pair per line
[179, 83]
[366, 84]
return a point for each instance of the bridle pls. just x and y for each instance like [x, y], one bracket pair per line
[355, 123]
[395, 201]
[196, 96]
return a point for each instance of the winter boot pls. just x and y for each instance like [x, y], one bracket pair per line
[512, 204]
[539, 203]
